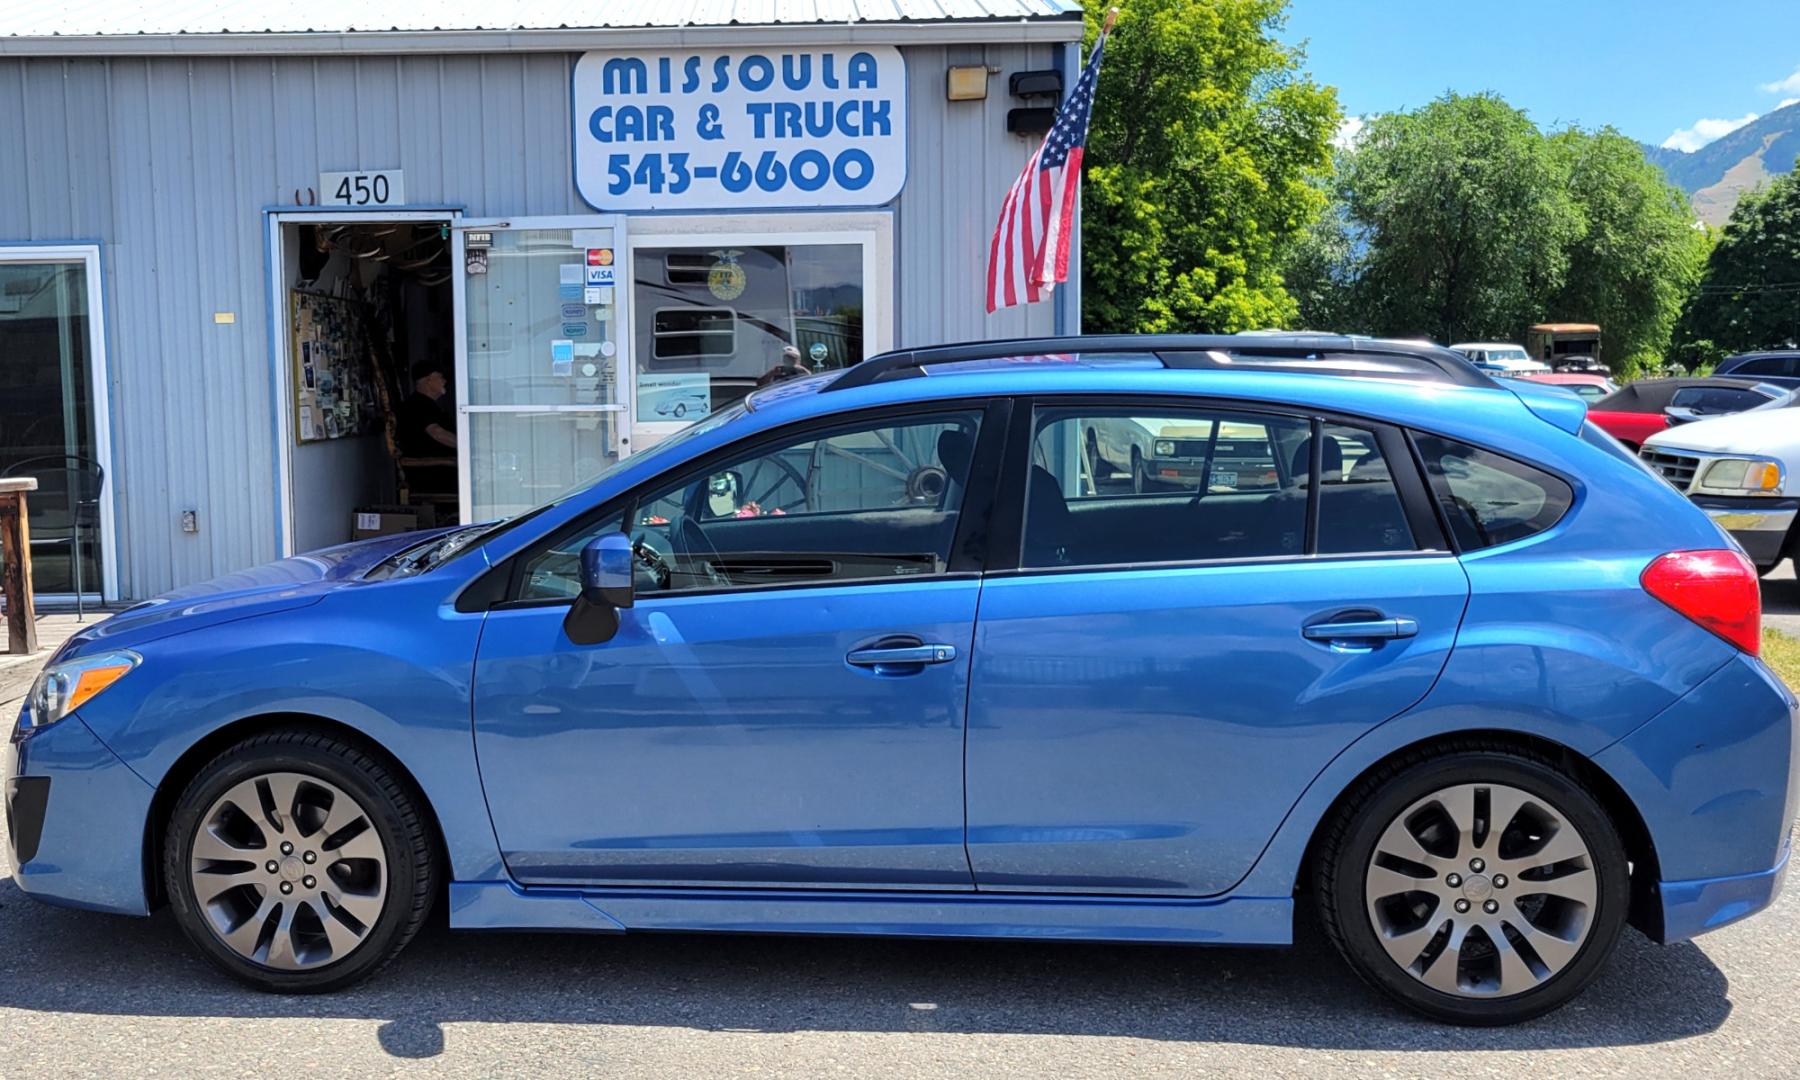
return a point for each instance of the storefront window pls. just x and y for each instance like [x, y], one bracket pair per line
[712, 321]
[47, 419]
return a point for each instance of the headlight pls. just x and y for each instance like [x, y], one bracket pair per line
[1165, 448]
[62, 688]
[1743, 476]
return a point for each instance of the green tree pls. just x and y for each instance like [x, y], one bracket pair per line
[1460, 219]
[1749, 294]
[1639, 253]
[1206, 143]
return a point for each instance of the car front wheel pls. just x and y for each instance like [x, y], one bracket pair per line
[298, 863]
[1476, 886]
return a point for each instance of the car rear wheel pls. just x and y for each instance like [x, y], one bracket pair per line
[1477, 886]
[298, 863]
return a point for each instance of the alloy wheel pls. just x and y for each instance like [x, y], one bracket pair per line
[1481, 890]
[289, 871]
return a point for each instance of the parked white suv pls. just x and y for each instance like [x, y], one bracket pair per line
[1501, 358]
[1744, 470]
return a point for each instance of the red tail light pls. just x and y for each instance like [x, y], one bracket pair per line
[1717, 589]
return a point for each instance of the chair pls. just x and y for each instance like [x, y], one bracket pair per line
[82, 479]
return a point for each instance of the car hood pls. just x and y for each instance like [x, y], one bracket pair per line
[260, 590]
[1774, 432]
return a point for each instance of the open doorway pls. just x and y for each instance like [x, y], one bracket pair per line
[367, 336]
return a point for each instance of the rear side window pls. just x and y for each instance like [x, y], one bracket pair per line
[1724, 399]
[1359, 507]
[1144, 487]
[1489, 499]
[1769, 365]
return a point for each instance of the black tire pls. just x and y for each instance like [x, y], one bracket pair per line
[1139, 482]
[411, 873]
[1348, 844]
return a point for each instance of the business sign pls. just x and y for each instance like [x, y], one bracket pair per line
[732, 129]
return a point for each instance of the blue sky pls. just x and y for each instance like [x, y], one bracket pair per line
[1667, 72]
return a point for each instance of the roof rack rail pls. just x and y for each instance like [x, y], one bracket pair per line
[1337, 354]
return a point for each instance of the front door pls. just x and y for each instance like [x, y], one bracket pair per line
[1182, 649]
[541, 346]
[784, 704]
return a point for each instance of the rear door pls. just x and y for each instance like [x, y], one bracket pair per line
[1164, 670]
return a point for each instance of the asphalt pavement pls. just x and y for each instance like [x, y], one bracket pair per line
[83, 994]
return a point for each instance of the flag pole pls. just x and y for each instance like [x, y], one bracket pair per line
[1112, 16]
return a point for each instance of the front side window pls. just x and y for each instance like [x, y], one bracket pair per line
[1489, 499]
[874, 501]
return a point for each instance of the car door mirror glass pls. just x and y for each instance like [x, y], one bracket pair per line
[606, 571]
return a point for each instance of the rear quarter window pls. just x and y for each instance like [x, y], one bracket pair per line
[1489, 499]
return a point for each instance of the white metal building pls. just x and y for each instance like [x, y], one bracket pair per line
[600, 221]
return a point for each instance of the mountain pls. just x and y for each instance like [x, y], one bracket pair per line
[1717, 173]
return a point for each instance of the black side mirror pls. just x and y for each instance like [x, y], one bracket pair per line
[606, 587]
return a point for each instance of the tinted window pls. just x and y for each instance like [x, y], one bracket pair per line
[874, 501]
[1722, 399]
[1359, 507]
[1489, 499]
[1768, 365]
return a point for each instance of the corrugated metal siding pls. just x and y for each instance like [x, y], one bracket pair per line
[88, 17]
[168, 163]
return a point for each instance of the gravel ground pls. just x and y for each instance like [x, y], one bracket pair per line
[94, 995]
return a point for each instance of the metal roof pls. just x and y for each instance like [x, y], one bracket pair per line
[103, 26]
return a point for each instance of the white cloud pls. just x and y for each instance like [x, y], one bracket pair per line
[1347, 132]
[1703, 132]
[1789, 85]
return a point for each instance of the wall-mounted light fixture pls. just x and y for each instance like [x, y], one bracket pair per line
[968, 83]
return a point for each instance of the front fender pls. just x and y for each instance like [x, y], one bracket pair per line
[392, 661]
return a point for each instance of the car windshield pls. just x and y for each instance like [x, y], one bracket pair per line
[444, 547]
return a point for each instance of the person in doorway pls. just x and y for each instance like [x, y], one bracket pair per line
[425, 429]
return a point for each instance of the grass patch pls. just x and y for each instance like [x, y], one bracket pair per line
[1783, 654]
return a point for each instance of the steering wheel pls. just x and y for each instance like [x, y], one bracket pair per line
[653, 561]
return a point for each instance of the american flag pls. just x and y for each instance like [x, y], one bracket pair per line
[1030, 250]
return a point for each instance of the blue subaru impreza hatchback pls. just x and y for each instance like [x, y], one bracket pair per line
[1120, 639]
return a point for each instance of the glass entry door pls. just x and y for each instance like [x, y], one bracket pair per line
[52, 415]
[541, 347]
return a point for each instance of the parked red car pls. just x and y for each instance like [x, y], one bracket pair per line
[1639, 410]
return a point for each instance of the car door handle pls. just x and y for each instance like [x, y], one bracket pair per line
[1361, 629]
[902, 655]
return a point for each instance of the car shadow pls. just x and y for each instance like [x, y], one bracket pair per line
[1781, 594]
[70, 962]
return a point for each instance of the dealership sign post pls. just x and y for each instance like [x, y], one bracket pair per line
[740, 128]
